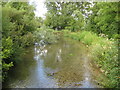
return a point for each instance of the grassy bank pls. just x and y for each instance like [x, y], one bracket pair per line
[103, 51]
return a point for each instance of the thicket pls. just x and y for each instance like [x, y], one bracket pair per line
[105, 18]
[18, 25]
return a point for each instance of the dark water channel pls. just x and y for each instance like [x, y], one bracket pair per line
[61, 65]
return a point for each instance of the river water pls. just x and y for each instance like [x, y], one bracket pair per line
[64, 64]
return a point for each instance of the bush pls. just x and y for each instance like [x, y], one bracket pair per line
[18, 24]
[45, 34]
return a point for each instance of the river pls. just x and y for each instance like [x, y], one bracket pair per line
[65, 64]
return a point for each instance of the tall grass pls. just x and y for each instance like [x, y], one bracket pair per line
[104, 52]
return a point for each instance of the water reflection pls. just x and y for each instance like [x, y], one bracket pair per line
[63, 64]
[69, 58]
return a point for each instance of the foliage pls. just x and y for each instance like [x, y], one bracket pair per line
[66, 15]
[18, 24]
[98, 17]
[7, 48]
[45, 34]
[103, 51]
[6, 67]
[104, 19]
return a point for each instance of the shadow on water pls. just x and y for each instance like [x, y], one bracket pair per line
[64, 64]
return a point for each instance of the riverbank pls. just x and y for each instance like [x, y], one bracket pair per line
[103, 51]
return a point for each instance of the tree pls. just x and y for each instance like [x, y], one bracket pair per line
[18, 24]
[66, 15]
[104, 19]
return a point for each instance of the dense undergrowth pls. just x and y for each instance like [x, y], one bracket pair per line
[18, 25]
[103, 51]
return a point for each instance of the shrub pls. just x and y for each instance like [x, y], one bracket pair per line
[45, 34]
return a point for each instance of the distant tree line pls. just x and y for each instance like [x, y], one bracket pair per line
[99, 17]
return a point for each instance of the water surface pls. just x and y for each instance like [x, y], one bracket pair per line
[62, 65]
